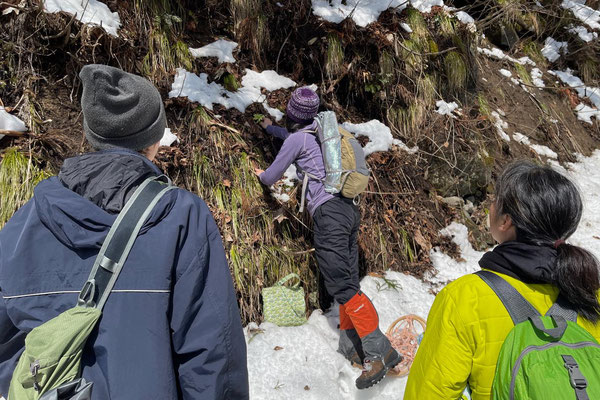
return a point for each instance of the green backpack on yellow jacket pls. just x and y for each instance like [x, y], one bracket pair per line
[546, 357]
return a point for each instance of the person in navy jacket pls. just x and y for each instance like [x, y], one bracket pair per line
[171, 327]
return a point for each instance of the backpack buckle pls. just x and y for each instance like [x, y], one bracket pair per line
[86, 296]
[34, 367]
[577, 379]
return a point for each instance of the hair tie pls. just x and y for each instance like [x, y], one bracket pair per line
[558, 243]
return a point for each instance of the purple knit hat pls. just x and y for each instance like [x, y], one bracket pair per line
[303, 106]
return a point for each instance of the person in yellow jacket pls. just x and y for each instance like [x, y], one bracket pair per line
[535, 210]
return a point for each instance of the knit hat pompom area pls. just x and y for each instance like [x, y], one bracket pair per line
[120, 109]
[303, 105]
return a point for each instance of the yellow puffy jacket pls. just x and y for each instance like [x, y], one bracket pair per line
[466, 327]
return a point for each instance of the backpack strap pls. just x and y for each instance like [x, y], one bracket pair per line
[578, 381]
[563, 308]
[119, 241]
[516, 305]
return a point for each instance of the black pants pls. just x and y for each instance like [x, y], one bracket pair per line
[336, 224]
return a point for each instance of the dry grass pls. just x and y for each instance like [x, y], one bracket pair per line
[18, 176]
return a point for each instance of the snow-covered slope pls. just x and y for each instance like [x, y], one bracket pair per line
[302, 362]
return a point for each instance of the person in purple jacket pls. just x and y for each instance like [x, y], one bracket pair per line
[336, 226]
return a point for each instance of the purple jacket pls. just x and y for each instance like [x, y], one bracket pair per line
[302, 149]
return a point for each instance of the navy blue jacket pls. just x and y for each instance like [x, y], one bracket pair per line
[171, 327]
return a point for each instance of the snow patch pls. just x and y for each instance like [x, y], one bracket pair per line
[380, 136]
[90, 12]
[539, 149]
[311, 348]
[500, 126]
[505, 72]
[447, 268]
[222, 49]
[585, 113]
[585, 14]
[465, 18]
[196, 88]
[444, 108]
[552, 49]
[499, 55]
[168, 138]
[364, 12]
[9, 122]
[583, 33]
[591, 93]
[536, 76]
[268, 79]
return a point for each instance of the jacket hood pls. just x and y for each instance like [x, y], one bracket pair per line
[527, 262]
[81, 204]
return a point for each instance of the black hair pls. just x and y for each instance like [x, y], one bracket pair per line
[293, 126]
[545, 208]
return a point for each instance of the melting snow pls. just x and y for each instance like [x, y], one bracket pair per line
[586, 14]
[500, 126]
[465, 18]
[168, 138]
[444, 108]
[539, 149]
[553, 49]
[585, 113]
[280, 190]
[196, 88]
[364, 12]
[90, 12]
[536, 76]
[505, 72]
[222, 49]
[583, 33]
[499, 55]
[9, 122]
[380, 136]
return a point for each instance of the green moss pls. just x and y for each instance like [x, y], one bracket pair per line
[447, 24]
[426, 89]
[417, 23]
[484, 106]
[533, 50]
[230, 82]
[523, 73]
[335, 56]
[456, 70]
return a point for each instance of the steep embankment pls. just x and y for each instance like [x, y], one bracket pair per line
[441, 97]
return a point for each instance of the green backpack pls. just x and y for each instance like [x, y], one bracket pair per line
[50, 366]
[543, 357]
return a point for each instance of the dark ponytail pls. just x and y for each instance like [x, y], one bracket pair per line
[576, 275]
[546, 207]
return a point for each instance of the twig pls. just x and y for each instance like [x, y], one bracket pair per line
[215, 123]
[298, 253]
[390, 193]
[7, 132]
[280, 49]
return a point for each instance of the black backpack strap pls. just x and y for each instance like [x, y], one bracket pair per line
[516, 305]
[119, 241]
[563, 308]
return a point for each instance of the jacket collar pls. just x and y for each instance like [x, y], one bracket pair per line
[527, 262]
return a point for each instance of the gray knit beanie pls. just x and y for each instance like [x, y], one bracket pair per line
[120, 109]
